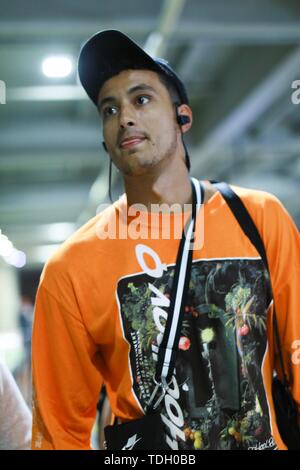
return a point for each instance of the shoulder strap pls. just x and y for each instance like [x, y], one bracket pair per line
[244, 219]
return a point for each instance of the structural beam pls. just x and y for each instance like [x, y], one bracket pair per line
[247, 112]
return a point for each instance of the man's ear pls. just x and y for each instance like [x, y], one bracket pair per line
[184, 117]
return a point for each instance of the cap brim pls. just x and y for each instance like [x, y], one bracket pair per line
[106, 54]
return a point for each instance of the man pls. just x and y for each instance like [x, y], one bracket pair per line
[103, 298]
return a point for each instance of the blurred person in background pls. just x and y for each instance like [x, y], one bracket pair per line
[22, 373]
[102, 304]
[25, 322]
[15, 417]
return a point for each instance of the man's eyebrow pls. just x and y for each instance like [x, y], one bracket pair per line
[107, 99]
[134, 89]
[141, 87]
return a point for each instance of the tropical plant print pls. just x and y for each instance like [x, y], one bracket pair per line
[221, 350]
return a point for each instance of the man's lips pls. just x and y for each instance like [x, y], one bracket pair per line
[129, 142]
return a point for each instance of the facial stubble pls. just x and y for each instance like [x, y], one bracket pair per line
[146, 164]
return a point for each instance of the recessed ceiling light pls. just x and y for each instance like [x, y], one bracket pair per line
[57, 67]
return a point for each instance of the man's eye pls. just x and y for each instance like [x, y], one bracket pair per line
[109, 111]
[142, 99]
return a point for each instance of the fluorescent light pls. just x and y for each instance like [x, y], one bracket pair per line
[17, 258]
[47, 93]
[10, 254]
[57, 67]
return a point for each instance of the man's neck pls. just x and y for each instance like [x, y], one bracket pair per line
[172, 186]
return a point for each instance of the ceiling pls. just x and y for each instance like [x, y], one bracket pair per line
[237, 59]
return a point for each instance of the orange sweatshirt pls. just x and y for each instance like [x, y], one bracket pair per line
[100, 314]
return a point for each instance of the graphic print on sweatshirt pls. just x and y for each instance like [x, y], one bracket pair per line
[216, 399]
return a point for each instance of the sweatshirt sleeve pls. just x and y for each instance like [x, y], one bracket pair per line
[66, 374]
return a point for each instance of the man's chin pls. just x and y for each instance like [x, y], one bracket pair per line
[139, 166]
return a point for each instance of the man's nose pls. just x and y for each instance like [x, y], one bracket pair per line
[127, 117]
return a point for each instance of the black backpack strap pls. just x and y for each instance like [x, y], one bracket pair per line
[245, 220]
[243, 217]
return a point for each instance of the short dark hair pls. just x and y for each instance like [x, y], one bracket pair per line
[170, 87]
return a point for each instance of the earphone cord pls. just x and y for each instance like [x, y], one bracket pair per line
[187, 157]
[109, 184]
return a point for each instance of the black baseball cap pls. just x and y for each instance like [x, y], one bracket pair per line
[109, 52]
